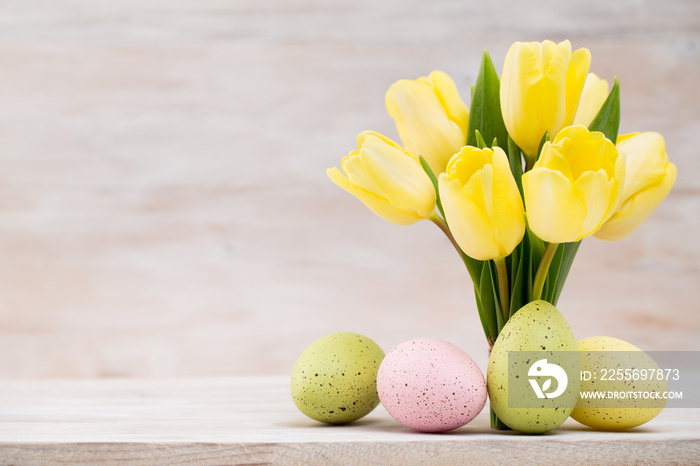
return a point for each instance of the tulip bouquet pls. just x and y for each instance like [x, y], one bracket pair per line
[517, 179]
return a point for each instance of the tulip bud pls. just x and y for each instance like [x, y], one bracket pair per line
[430, 117]
[387, 179]
[574, 187]
[482, 204]
[540, 90]
[650, 177]
[595, 91]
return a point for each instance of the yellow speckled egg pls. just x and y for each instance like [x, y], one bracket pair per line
[335, 378]
[613, 366]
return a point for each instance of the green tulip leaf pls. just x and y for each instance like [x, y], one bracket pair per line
[516, 164]
[489, 299]
[550, 283]
[434, 180]
[536, 251]
[485, 321]
[512, 262]
[607, 121]
[545, 138]
[485, 110]
[480, 143]
[518, 289]
[474, 267]
[500, 319]
[568, 254]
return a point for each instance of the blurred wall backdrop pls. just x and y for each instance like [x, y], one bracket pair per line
[164, 207]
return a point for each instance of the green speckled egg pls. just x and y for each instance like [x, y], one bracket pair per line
[335, 378]
[602, 358]
[536, 327]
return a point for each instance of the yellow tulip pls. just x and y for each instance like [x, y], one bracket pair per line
[540, 90]
[387, 179]
[482, 204]
[595, 91]
[574, 187]
[430, 117]
[650, 177]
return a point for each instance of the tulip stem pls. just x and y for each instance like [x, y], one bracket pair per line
[445, 229]
[543, 270]
[503, 287]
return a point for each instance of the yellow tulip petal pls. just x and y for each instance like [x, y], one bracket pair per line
[541, 86]
[553, 158]
[623, 137]
[595, 91]
[363, 136]
[549, 100]
[620, 177]
[450, 100]
[422, 124]
[484, 179]
[467, 162]
[398, 177]
[576, 76]
[519, 72]
[556, 61]
[575, 186]
[509, 81]
[474, 190]
[649, 179]
[532, 90]
[548, 49]
[646, 160]
[388, 180]
[352, 165]
[508, 209]
[468, 222]
[376, 204]
[586, 150]
[596, 191]
[482, 203]
[553, 207]
[637, 209]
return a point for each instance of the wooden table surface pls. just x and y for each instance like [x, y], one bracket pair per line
[253, 420]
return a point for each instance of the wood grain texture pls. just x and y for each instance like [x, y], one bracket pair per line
[254, 421]
[164, 208]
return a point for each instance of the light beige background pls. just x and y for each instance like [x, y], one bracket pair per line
[164, 208]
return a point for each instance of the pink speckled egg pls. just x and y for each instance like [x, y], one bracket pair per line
[430, 385]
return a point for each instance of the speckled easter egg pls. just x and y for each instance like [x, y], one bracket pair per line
[615, 366]
[536, 338]
[430, 385]
[335, 378]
